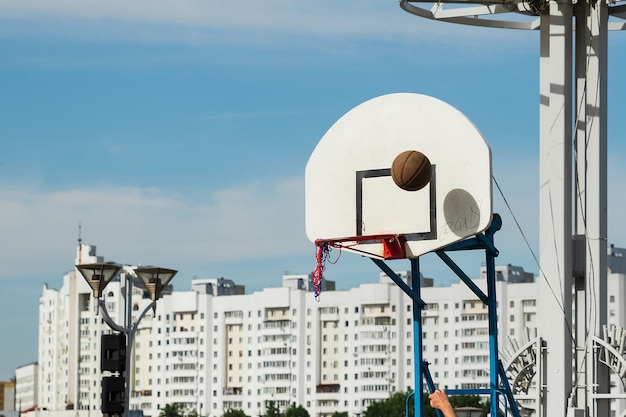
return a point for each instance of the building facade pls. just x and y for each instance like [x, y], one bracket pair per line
[214, 348]
[7, 395]
[26, 387]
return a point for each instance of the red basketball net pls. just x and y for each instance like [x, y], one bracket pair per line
[393, 248]
[322, 255]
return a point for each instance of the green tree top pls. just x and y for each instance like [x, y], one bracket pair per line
[172, 410]
[298, 411]
[272, 410]
[234, 413]
[395, 405]
[177, 410]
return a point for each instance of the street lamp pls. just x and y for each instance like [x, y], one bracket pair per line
[154, 279]
[99, 275]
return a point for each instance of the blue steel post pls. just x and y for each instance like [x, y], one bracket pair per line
[429, 382]
[418, 405]
[493, 326]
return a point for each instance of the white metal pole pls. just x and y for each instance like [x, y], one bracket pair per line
[580, 301]
[596, 198]
[555, 214]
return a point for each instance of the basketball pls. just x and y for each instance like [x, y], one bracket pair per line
[411, 170]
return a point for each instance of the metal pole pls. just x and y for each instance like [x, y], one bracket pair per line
[129, 343]
[418, 405]
[493, 333]
[555, 203]
[595, 220]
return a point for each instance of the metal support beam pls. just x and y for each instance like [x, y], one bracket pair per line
[555, 206]
[497, 387]
[591, 189]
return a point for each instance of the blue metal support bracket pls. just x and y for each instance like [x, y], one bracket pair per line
[430, 383]
[498, 384]
[395, 278]
[457, 270]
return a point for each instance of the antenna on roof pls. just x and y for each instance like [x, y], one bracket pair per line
[80, 244]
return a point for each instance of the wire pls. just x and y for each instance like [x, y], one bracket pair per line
[558, 300]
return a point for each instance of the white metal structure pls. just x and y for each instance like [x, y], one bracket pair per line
[572, 128]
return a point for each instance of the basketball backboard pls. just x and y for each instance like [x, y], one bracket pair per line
[350, 194]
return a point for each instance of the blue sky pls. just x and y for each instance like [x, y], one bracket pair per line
[177, 133]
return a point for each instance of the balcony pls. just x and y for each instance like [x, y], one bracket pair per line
[327, 388]
[233, 391]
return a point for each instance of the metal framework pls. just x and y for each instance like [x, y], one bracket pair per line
[520, 14]
[498, 389]
[573, 181]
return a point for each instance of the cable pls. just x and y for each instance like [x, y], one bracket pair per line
[558, 300]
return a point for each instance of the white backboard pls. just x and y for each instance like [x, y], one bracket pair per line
[350, 192]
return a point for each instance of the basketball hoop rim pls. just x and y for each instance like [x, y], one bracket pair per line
[393, 245]
[359, 239]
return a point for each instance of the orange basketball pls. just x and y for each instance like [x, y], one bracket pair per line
[411, 170]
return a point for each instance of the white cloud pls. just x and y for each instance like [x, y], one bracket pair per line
[213, 21]
[130, 225]
[258, 220]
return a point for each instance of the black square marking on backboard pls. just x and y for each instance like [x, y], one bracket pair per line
[386, 172]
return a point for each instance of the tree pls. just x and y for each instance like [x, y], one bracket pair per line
[339, 414]
[298, 411]
[272, 410]
[173, 410]
[234, 413]
[394, 406]
[465, 401]
[177, 410]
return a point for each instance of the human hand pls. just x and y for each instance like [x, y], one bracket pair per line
[439, 400]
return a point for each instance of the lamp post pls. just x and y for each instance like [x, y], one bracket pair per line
[154, 279]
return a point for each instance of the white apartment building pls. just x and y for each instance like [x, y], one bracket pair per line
[60, 329]
[26, 387]
[214, 347]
